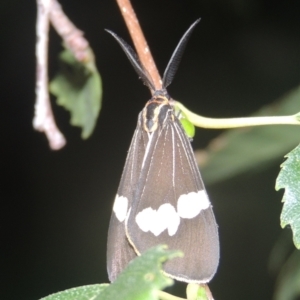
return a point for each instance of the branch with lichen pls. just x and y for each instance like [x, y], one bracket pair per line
[50, 12]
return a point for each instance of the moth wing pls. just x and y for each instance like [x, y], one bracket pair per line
[169, 191]
[119, 251]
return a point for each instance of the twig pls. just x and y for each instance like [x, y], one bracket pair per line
[75, 42]
[43, 117]
[139, 41]
[72, 36]
[212, 123]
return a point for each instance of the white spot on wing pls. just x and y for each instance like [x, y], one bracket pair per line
[145, 218]
[167, 214]
[120, 207]
[156, 221]
[190, 205]
[166, 217]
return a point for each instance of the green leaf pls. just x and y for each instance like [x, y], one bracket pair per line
[188, 127]
[242, 150]
[78, 89]
[143, 278]
[87, 292]
[289, 179]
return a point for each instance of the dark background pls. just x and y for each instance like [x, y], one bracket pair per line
[55, 206]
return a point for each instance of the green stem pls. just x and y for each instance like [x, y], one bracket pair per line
[212, 123]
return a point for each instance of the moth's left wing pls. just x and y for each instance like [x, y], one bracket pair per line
[119, 251]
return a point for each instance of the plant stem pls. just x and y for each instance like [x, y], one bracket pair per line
[212, 123]
[139, 42]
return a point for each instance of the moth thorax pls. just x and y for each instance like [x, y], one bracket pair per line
[150, 118]
[154, 115]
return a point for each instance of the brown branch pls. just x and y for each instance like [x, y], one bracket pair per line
[71, 35]
[43, 116]
[75, 42]
[139, 41]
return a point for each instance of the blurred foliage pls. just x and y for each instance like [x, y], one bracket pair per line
[143, 277]
[87, 292]
[141, 280]
[248, 149]
[288, 283]
[78, 89]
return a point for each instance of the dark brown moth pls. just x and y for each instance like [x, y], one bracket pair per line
[161, 198]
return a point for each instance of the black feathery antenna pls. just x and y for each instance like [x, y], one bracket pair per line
[133, 58]
[176, 57]
[171, 67]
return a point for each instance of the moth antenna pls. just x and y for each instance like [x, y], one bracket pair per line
[176, 56]
[133, 58]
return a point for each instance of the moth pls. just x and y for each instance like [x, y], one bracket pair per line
[161, 198]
